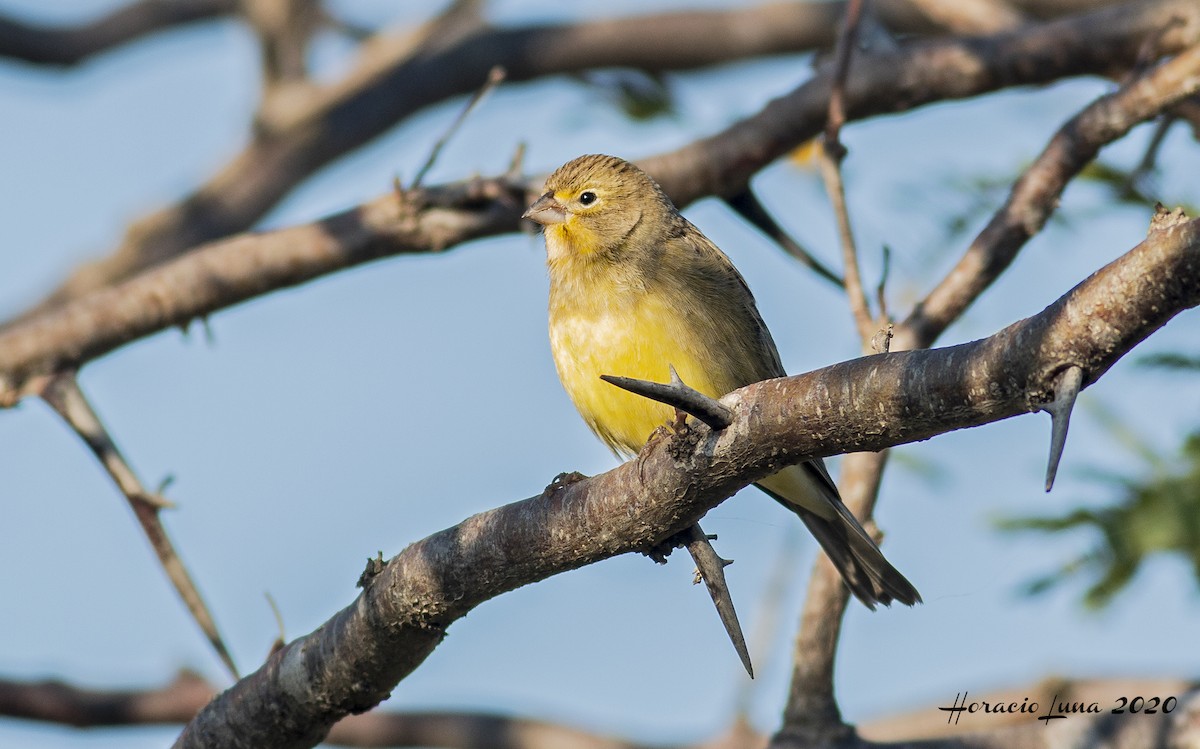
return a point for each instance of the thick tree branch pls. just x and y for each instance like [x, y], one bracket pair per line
[811, 714]
[399, 76]
[1036, 194]
[920, 73]
[244, 267]
[352, 662]
[70, 46]
[285, 29]
[972, 16]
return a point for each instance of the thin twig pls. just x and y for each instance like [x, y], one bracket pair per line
[63, 394]
[856, 296]
[972, 16]
[1149, 160]
[285, 29]
[832, 154]
[709, 410]
[812, 715]
[516, 165]
[747, 205]
[495, 76]
[881, 289]
[847, 38]
[282, 637]
[1035, 196]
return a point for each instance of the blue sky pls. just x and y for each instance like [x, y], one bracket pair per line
[365, 410]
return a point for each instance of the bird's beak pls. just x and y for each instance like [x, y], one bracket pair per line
[546, 211]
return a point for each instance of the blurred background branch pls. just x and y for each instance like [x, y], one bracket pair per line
[199, 255]
[403, 72]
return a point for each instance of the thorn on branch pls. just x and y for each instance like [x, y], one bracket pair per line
[1066, 390]
[709, 410]
[61, 391]
[164, 484]
[495, 76]
[1146, 167]
[711, 569]
[562, 481]
[281, 638]
[881, 289]
[747, 205]
[374, 566]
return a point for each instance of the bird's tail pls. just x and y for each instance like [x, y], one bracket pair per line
[870, 577]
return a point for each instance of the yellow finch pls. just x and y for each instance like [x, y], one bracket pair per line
[635, 288]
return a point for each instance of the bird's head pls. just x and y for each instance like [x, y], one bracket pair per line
[593, 204]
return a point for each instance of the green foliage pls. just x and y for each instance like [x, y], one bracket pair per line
[640, 95]
[1158, 512]
[1171, 360]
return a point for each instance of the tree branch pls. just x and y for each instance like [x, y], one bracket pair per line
[832, 155]
[285, 29]
[180, 700]
[1036, 194]
[63, 704]
[237, 269]
[70, 46]
[811, 715]
[399, 76]
[924, 72]
[353, 661]
[972, 16]
[241, 268]
[62, 392]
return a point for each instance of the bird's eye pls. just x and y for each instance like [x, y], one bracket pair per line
[587, 198]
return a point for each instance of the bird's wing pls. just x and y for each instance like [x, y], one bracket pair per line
[761, 357]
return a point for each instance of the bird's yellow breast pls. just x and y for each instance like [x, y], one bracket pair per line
[602, 328]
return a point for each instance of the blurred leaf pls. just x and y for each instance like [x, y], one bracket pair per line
[983, 195]
[1170, 360]
[1125, 437]
[1130, 186]
[1155, 513]
[933, 473]
[640, 95]
[806, 155]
